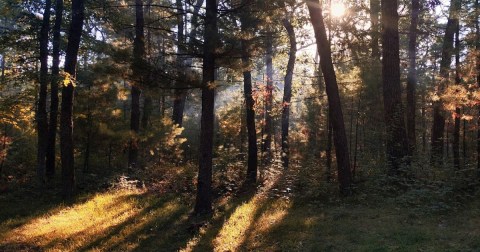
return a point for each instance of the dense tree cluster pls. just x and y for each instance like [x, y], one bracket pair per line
[360, 88]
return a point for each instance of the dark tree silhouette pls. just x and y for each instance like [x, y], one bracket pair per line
[397, 142]
[203, 202]
[335, 106]
[246, 24]
[438, 126]
[138, 76]
[52, 129]
[66, 117]
[41, 115]
[287, 96]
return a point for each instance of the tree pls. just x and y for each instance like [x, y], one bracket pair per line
[334, 103]
[42, 118]
[456, 128]
[438, 126]
[397, 143]
[180, 94]
[66, 117]
[245, 20]
[138, 76]
[182, 63]
[268, 130]
[52, 129]
[412, 74]
[203, 202]
[288, 90]
[477, 59]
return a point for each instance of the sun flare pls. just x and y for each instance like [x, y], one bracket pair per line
[337, 9]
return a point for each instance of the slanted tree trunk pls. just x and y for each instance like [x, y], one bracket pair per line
[249, 101]
[41, 115]
[203, 202]
[287, 95]
[52, 129]
[66, 116]
[438, 126]
[138, 76]
[397, 142]
[267, 137]
[412, 75]
[456, 128]
[335, 106]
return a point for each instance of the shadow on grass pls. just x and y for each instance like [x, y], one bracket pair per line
[113, 221]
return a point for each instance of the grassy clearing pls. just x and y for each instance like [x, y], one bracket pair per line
[142, 220]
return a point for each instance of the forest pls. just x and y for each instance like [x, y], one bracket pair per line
[239, 125]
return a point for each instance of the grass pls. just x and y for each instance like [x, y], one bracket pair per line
[142, 220]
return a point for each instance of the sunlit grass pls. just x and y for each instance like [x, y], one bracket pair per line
[114, 220]
[135, 220]
[236, 227]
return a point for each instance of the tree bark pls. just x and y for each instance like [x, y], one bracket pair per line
[203, 202]
[477, 47]
[438, 126]
[397, 142]
[66, 117]
[287, 95]
[412, 75]
[338, 124]
[252, 163]
[138, 75]
[41, 115]
[52, 129]
[456, 130]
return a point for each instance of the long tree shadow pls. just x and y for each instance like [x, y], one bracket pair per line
[154, 217]
[21, 206]
[235, 218]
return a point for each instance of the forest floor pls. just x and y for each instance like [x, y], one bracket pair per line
[287, 212]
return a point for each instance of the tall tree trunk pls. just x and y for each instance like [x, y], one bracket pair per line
[287, 95]
[66, 117]
[438, 126]
[52, 129]
[267, 137]
[41, 116]
[252, 166]
[477, 47]
[138, 75]
[203, 202]
[397, 142]
[456, 131]
[180, 94]
[412, 75]
[335, 106]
